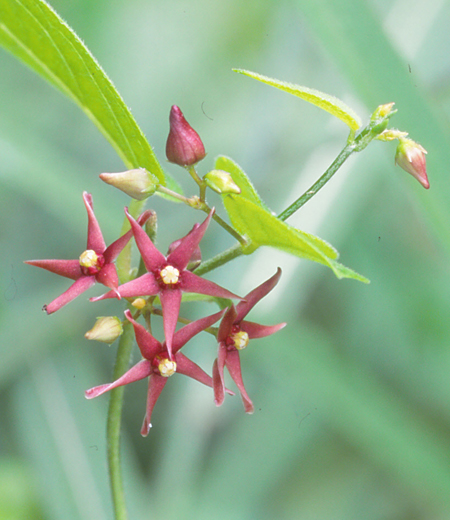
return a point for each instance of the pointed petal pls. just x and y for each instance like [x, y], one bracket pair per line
[226, 324]
[221, 359]
[218, 387]
[113, 251]
[140, 371]
[233, 364]
[196, 257]
[170, 302]
[253, 297]
[155, 386]
[181, 255]
[189, 368]
[145, 285]
[151, 257]
[254, 330]
[68, 268]
[81, 285]
[148, 345]
[190, 282]
[95, 238]
[108, 276]
[182, 336]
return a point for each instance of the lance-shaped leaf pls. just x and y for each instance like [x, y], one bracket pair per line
[264, 229]
[331, 104]
[34, 33]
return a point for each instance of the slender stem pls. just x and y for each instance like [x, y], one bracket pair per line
[113, 424]
[197, 203]
[228, 228]
[220, 259]
[354, 144]
[320, 183]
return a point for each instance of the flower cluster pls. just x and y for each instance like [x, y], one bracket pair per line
[166, 278]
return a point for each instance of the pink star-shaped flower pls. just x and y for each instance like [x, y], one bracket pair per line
[234, 335]
[157, 365]
[94, 265]
[168, 276]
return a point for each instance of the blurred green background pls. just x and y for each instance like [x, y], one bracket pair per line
[352, 399]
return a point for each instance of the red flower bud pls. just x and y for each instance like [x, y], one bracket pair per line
[411, 157]
[184, 146]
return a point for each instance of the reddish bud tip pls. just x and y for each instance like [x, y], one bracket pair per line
[411, 157]
[184, 146]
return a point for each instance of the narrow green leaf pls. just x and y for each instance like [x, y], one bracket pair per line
[34, 33]
[241, 179]
[331, 104]
[265, 229]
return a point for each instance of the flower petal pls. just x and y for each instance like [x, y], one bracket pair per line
[140, 371]
[233, 364]
[155, 386]
[95, 238]
[148, 345]
[190, 282]
[182, 336]
[189, 368]
[181, 255]
[255, 330]
[226, 324]
[68, 268]
[108, 276]
[113, 251]
[145, 285]
[151, 257]
[253, 297]
[170, 302]
[219, 382]
[81, 285]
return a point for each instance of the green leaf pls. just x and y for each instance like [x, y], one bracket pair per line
[264, 229]
[331, 104]
[241, 179]
[34, 33]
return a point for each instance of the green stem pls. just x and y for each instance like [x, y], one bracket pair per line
[320, 183]
[113, 424]
[220, 259]
[196, 203]
[354, 144]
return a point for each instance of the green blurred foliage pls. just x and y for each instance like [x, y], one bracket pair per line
[352, 400]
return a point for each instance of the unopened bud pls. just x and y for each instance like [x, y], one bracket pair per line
[106, 329]
[411, 157]
[139, 303]
[221, 182]
[138, 184]
[391, 134]
[382, 111]
[184, 146]
[380, 118]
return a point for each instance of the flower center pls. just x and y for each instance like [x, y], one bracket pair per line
[166, 367]
[239, 339]
[90, 262]
[170, 275]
